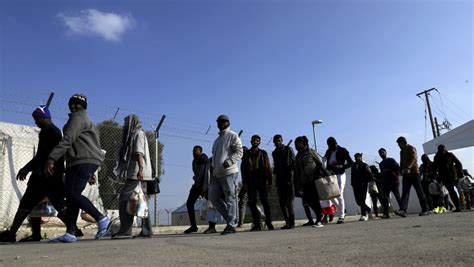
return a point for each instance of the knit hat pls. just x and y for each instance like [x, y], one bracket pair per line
[42, 112]
[223, 118]
[78, 99]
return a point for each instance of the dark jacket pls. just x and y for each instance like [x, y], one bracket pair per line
[390, 170]
[49, 137]
[360, 174]
[283, 164]
[308, 167]
[448, 166]
[408, 159]
[199, 169]
[80, 143]
[343, 159]
[428, 172]
[263, 171]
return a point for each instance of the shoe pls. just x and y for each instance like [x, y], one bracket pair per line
[325, 220]
[318, 225]
[30, 239]
[385, 216]
[192, 229]
[229, 230]
[142, 235]
[7, 237]
[457, 210]
[270, 227]
[436, 210]
[340, 221]
[401, 213]
[424, 213]
[363, 218]
[210, 230]
[255, 229]
[287, 227]
[66, 238]
[121, 236]
[79, 233]
[309, 223]
[104, 225]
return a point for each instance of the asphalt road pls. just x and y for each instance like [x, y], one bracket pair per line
[442, 240]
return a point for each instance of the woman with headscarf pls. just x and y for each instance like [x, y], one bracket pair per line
[134, 165]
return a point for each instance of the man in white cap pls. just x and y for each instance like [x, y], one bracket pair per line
[226, 151]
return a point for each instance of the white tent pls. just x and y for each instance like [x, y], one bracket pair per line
[460, 137]
[18, 144]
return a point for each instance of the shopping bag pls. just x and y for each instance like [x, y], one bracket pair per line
[92, 193]
[43, 209]
[373, 189]
[327, 187]
[137, 203]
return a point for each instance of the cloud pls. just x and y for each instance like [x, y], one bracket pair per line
[92, 22]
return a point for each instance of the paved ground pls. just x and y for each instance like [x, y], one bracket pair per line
[442, 240]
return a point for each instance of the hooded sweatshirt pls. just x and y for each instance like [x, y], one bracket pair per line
[80, 142]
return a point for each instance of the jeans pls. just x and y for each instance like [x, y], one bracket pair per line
[414, 180]
[74, 183]
[222, 196]
[243, 199]
[310, 196]
[126, 220]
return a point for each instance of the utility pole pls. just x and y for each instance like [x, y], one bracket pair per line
[157, 159]
[437, 126]
[426, 93]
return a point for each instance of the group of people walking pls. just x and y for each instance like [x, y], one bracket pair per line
[215, 178]
[295, 177]
[79, 146]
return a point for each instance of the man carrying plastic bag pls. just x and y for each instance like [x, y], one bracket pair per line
[134, 165]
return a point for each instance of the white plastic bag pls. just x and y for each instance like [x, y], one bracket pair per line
[137, 204]
[92, 193]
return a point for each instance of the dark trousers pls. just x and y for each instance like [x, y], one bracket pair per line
[194, 194]
[258, 186]
[38, 188]
[414, 180]
[450, 183]
[74, 183]
[425, 184]
[126, 220]
[375, 199]
[307, 212]
[360, 194]
[389, 185]
[310, 196]
[286, 197]
[243, 199]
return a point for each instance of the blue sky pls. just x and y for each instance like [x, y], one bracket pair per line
[272, 66]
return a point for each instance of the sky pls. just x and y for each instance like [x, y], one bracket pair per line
[272, 66]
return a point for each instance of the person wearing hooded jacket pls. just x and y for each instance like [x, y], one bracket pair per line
[81, 145]
[134, 165]
[308, 168]
[449, 170]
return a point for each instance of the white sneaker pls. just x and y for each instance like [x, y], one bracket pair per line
[363, 218]
[318, 225]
